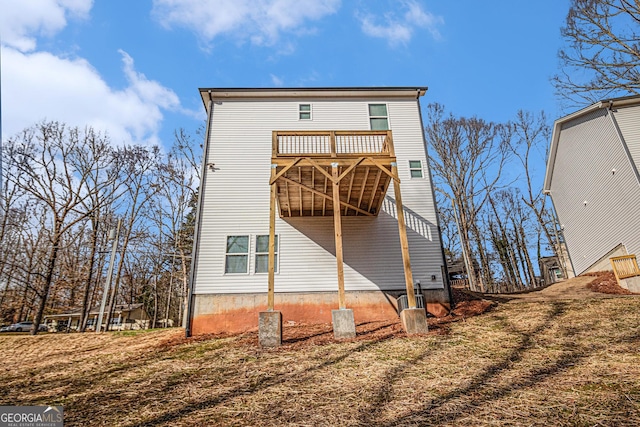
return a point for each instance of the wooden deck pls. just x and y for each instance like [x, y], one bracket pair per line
[303, 162]
[334, 173]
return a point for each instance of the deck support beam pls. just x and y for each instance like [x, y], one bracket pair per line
[270, 321]
[344, 326]
[272, 242]
[404, 242]
[337, 226]
[414, 320]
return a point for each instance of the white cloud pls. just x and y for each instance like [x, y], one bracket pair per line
[41, 86]
[277, 81]
[22, 20]
[399, 29]
[259, 21]
[393, 31]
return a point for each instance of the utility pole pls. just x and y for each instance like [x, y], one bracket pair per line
[113, 236]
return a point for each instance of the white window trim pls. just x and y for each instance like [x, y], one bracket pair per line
[251, 254]
[310, 111]
[256, 253]
[247, 254]
[421, 169]
[386, 106]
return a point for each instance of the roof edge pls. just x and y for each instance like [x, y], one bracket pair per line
[305, 92]
[626, 101]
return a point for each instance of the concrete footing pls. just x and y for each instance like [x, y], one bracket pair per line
[631, 283]
[414, 321]
[270, 328]
[344, 325]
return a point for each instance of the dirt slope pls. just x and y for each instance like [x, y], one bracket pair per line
[575, 288]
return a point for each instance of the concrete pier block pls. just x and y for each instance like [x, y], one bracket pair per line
[270, 328]
[344, 325]
[414, 321]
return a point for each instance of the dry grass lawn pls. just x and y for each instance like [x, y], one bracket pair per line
[554, 363]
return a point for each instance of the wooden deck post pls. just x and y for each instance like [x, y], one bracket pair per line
[404, 242]
[272, 240]
[337, 225]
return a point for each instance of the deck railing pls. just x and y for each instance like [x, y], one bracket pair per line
[625, 266]
[332, 143]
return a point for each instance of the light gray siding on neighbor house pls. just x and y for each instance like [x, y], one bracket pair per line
[594, 188]
[628, 120]
[236, 202]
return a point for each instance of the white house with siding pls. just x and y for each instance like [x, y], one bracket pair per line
[293, 151]
[592, 178]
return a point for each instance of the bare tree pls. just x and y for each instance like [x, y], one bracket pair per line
[529, 147]
[467, 156]
[101, 187]
[50, 168]
[502, 245]
[12, 216]
[179, 177]
[138, 172]
[515, 211]
[602, 58]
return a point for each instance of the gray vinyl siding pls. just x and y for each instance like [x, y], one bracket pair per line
[628, 120]
[589, 149]
[236, 202]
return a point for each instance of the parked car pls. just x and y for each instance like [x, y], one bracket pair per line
[4, 329]
[21, 327]
[26, 327]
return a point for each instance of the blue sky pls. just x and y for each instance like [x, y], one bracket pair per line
[132, 68]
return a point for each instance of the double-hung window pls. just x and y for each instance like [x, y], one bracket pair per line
[378, 117]
[262, 254]
[237, 255]
[415, 168]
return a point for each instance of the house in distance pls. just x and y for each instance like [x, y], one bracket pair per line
[315, 205]
[593, 180]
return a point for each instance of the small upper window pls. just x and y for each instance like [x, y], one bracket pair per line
[415, 168]
[378, 117]
[304, 111]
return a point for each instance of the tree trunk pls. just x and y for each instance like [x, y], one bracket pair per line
[155, 301]
[185, 290]
[47, 281]
[487, 276]
[86, 306]
[527, 258]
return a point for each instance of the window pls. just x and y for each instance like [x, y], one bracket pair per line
[415, 168]
[237, 255]
[262, 254]
[378, 117]
[304, 111]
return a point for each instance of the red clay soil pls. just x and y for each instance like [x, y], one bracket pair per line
[469, 303]
[606, 283]
[309, 335]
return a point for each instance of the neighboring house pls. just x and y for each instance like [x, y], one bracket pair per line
[550, 270]
[274, 162]
[592, 177]
[125, 317]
